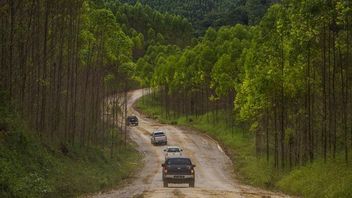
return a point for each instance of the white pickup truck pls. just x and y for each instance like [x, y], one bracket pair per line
[158, 137]
[173, 151]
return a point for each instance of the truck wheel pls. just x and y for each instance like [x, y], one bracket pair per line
[191, 184]
[166, 184]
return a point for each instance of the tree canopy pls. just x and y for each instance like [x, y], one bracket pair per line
[211, 13]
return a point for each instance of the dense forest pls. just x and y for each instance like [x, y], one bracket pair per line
[56, 54]
[279, 70]
[66, 67]
[212, 13]
[52, 60]
[286, 80]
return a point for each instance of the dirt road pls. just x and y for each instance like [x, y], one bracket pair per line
[214, 176]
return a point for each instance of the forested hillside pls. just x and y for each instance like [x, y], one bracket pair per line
[212, 13]
[148, 27]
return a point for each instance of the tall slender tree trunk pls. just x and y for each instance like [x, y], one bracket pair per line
[323, 135]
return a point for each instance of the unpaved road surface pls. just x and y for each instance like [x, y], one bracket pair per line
[214, 171]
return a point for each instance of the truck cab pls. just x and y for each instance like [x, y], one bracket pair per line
[132, 121]
[178, 170]
[158, 137]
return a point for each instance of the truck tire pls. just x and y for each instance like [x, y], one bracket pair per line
[165, 184]
[191, 184]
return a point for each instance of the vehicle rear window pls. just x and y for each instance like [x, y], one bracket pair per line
[132, 118]
[159, 134]
[179, 161]
[173, 150]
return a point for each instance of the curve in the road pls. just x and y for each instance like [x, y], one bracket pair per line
[214, 175]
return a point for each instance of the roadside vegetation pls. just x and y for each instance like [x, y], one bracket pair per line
[29, 167]
[319, 179]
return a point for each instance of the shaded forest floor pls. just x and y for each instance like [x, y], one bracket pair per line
[30, 168]
[318, 179]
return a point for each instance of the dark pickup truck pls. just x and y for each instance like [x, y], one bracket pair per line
[132, 120]
[178, 170]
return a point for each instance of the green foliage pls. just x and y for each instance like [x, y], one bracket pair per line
[148, 24]
[154, 60]
[210, 62]
[101, 32]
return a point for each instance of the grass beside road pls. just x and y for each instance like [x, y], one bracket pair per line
[30, 168]
[319, 179]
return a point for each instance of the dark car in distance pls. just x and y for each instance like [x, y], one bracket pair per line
[132, 121]
[178, 170]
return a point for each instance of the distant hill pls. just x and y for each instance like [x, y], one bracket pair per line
[214, 13]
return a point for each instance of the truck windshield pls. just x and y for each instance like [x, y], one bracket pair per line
[159, 134]
[179, 161]
[132, 119]
[173, 150]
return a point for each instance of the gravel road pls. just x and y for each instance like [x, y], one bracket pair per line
[214, 170]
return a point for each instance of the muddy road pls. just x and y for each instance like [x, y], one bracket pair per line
[214, 171]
